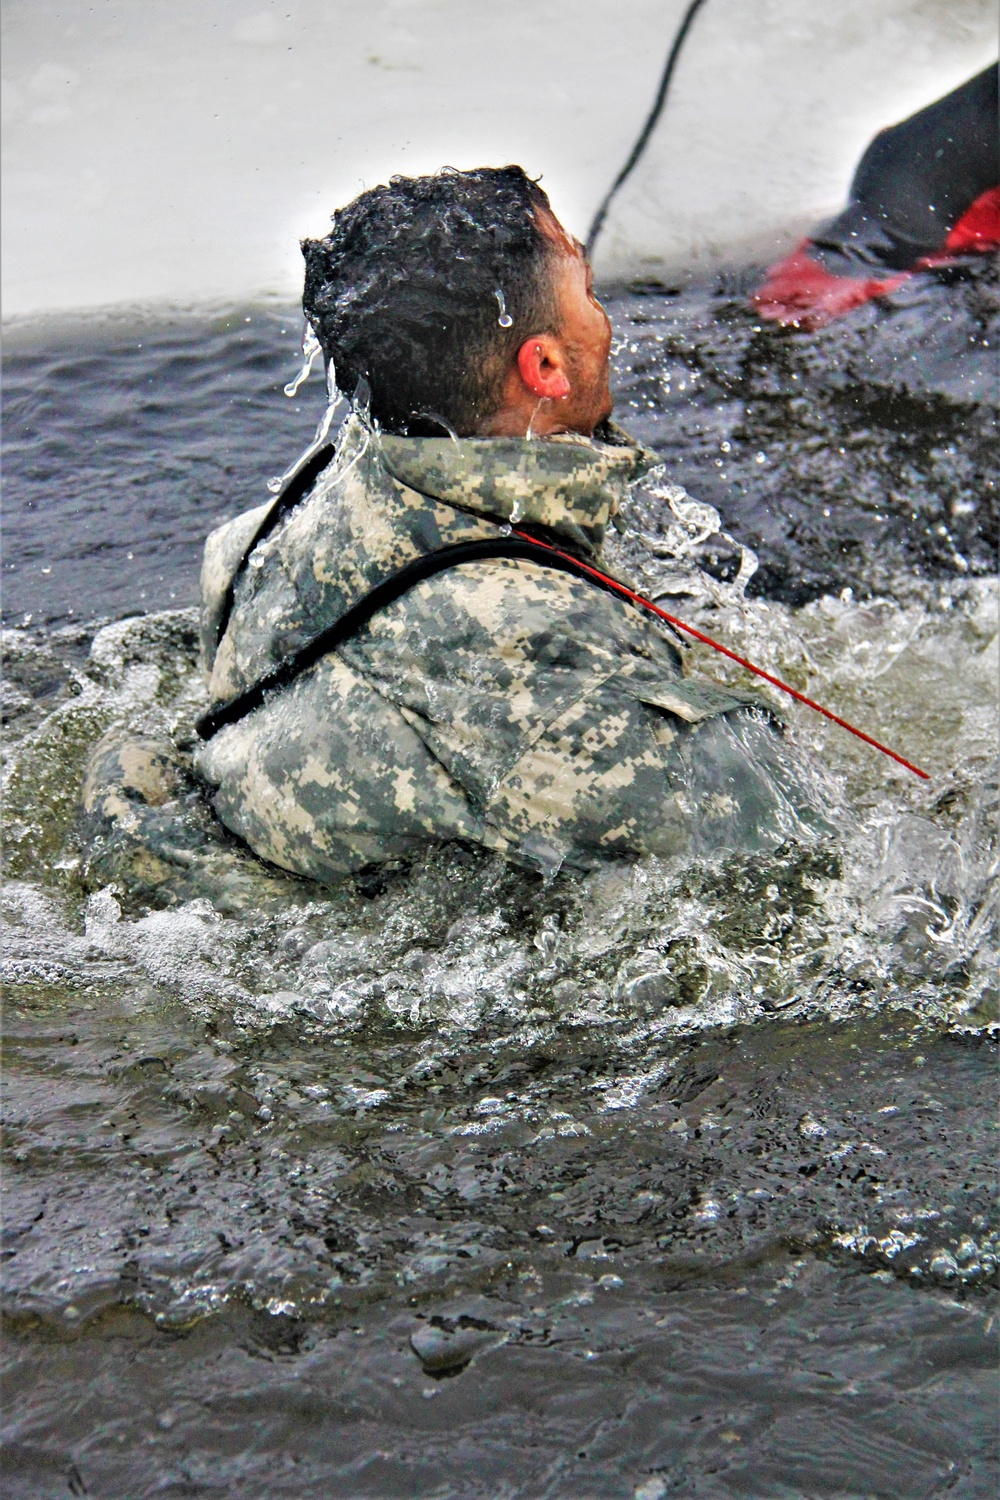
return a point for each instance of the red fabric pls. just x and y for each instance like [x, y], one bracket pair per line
[801, 293]
[977, 231]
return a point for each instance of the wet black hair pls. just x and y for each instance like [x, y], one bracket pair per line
[403, 293]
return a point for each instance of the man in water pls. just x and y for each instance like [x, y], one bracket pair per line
[373, 690]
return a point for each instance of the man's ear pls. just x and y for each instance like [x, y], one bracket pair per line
[542, 363]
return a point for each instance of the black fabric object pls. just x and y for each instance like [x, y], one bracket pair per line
[915, 181]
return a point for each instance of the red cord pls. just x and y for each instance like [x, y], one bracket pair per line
[699, 635]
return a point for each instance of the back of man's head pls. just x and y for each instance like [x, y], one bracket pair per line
[427, 288]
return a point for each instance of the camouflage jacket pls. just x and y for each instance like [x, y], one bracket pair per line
[499, 701]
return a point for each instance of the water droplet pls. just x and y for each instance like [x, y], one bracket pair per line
[433, 416]
[310, 349]
[529, 433]
[505, 320]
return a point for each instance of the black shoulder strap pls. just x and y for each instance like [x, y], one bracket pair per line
[298, 485]
[385, 593]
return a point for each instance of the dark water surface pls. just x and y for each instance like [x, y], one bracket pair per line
[674, 1181]
[845, 458]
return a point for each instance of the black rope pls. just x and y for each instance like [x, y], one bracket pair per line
[379, 597]
[649, 127]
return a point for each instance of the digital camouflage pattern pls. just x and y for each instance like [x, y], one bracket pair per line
[500, 702]
[382, 502]
[146, 829]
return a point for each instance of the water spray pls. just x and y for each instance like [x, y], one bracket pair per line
[310, 349]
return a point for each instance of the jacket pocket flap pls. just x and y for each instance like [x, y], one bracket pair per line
[692, 699]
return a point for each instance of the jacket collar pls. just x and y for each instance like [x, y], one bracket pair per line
[568, 484]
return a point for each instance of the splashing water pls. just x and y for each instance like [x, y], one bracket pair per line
[666, 556]
[912, 900]
[655, 1118]
[311, 347]
[456, 1022]
[334, 398]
